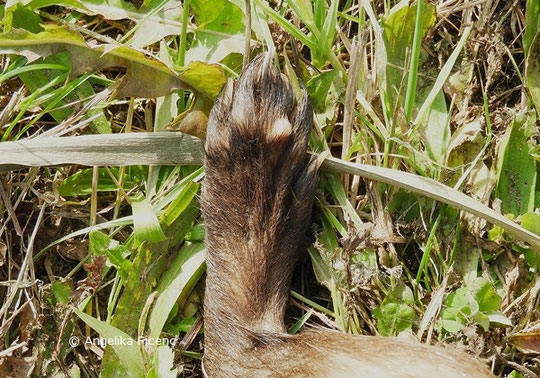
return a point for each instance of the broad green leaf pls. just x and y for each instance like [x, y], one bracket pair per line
[516, 168]
[98, 243]
[21, 17]
[182, 275]
[403, 293]
[220, 28]
[437, 129]
[80, 183]
[101, 244]
[496, 234]
[474, 306]
[156, 19]
[393, 318]
[457, 299]
[485, 295]
[126, 349]
[368, 259]
[532, 259]
[531, 221]
[324, 91]
[456, 313]
[395, 313]
[61, 291]
[457, 310]
[145, 222]
[452, 326]
[145, 76]
[476, 303]
[208, 78]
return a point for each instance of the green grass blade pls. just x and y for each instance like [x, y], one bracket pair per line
[304, 11]
[329, 29]
[415, 57]
[285, 24]
[443, 76]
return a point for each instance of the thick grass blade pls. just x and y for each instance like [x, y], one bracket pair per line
[167, 153]
[126, 348]
[435, 190]
[329, 29]
[165, 148]
[443, 76]
[145, 222]
[187, 269]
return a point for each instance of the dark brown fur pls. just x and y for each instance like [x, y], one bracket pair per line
[257, 198]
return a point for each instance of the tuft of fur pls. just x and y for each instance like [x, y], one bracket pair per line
[256, 200]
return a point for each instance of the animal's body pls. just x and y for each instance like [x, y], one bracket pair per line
[257, 198]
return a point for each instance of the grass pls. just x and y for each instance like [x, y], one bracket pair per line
[403, 93]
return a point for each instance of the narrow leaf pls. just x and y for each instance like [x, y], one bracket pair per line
[187, 269]
[125, 347]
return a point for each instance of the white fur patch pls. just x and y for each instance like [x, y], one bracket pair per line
[282, 128]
